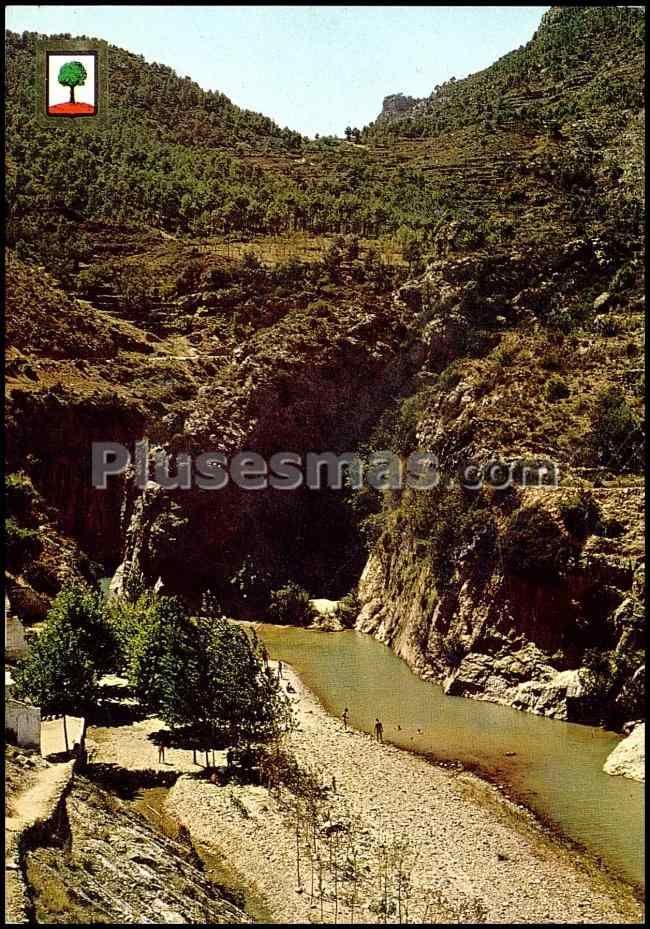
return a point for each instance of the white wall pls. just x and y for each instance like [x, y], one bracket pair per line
[25, 721]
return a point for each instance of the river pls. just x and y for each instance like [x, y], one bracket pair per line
[554, 767]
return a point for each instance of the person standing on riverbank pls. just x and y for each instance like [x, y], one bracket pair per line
[379, 731]
[279, 670]
[344, 717]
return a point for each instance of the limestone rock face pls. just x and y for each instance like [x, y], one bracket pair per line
[120, 870]
[523, 680]
[324, 607]
[396, 105]
[512, 640]
[628, 758]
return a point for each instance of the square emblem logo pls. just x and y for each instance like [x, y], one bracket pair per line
[71, 83]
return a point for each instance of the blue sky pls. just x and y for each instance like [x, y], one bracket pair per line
[313, 68]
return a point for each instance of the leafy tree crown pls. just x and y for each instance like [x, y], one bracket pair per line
[72, 74]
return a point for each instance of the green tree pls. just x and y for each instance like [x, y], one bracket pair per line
[205, 674]
[244, 700]
[82, 609]
[72, 74]
[126, 616]
[290, 606]
[158, 644]
[58, 674]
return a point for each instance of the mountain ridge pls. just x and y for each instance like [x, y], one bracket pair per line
[555, 47]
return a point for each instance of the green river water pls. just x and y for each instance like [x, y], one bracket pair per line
[555, 768]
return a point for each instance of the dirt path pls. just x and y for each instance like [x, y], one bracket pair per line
[36, 804]
[130, 747]
[469, 856]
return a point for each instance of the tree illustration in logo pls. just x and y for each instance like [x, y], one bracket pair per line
[72, 74]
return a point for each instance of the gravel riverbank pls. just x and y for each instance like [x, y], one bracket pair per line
[467, 854]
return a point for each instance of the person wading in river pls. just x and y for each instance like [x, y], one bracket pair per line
[379, 731]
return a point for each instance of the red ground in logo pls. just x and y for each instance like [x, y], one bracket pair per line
[70, 109]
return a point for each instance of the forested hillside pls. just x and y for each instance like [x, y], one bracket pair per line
[183, 160]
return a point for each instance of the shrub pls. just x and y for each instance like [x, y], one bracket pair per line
[278, 768]
[623, 278]
[92, 278]
[321, 308]
[19, 494]
[348, 609]
[607, 325]
[352, 247]
[551, 359]
[332, 258]
[581, 514]
[534, 547]
[21, 544]
[499, 229]
[397, 428]
[450, 377]
[507, 351]
[134, 585]
[612, 671]
[611, 528]
[290, 606]
[476, 342]
[42, 577]
[453, 649]
[410, 244]
[616, 436]
[449, 519]
[560, 320]
[469, 234]
[557, 389]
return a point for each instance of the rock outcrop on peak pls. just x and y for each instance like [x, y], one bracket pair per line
[396, 105]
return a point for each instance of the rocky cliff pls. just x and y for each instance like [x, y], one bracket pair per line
[525, 595]
[515, 641]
